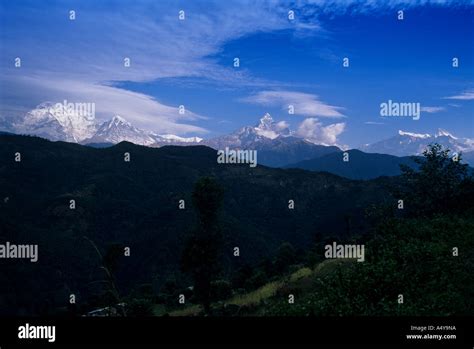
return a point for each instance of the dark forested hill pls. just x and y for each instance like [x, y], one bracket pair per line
[135, 204]
[360, 165]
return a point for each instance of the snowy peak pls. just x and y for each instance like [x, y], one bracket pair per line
[118, 121]
[264, 132]
[176, 139]
[266, 122]
[58, 122]
[444, 133]
[441, 133]
[415, 135]
[118, 130]
[270, 129]
[75, 122]
[409, 143]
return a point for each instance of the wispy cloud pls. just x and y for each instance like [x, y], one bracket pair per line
[88, 52]
[92, 68]
[334, 7]
[432, 109]
[464, 96]
[303, 103]
[144, 110]
[374, 123]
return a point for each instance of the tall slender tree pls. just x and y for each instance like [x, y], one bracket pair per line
[202, 251]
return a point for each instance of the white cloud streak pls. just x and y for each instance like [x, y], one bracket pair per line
[432, 110]
[86, 62]
[467, 95]
[303, 103]
[83, 59]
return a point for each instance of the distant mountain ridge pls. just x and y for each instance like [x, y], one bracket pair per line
[244, 137]
[59, 123]
[359, 165]
[117, 130]
[55, 122]
[274, 142]
[409, 143]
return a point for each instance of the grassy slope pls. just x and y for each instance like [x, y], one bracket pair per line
[300, 281]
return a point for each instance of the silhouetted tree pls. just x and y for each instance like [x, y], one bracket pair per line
[437, 185]
[416, 253]
[201, 254]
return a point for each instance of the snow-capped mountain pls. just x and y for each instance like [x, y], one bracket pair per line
[118, 130]
[409, 143]
[271, 129]
[276, 145]
[266, 129]
[176, 139]
[56, 122]
[415, 135]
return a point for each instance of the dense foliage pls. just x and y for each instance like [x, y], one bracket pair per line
[424, 251]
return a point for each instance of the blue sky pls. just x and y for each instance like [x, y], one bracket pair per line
[282, 62]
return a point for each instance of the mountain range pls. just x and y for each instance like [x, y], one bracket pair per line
[59, 123]
[275, 143]
[409, 143]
